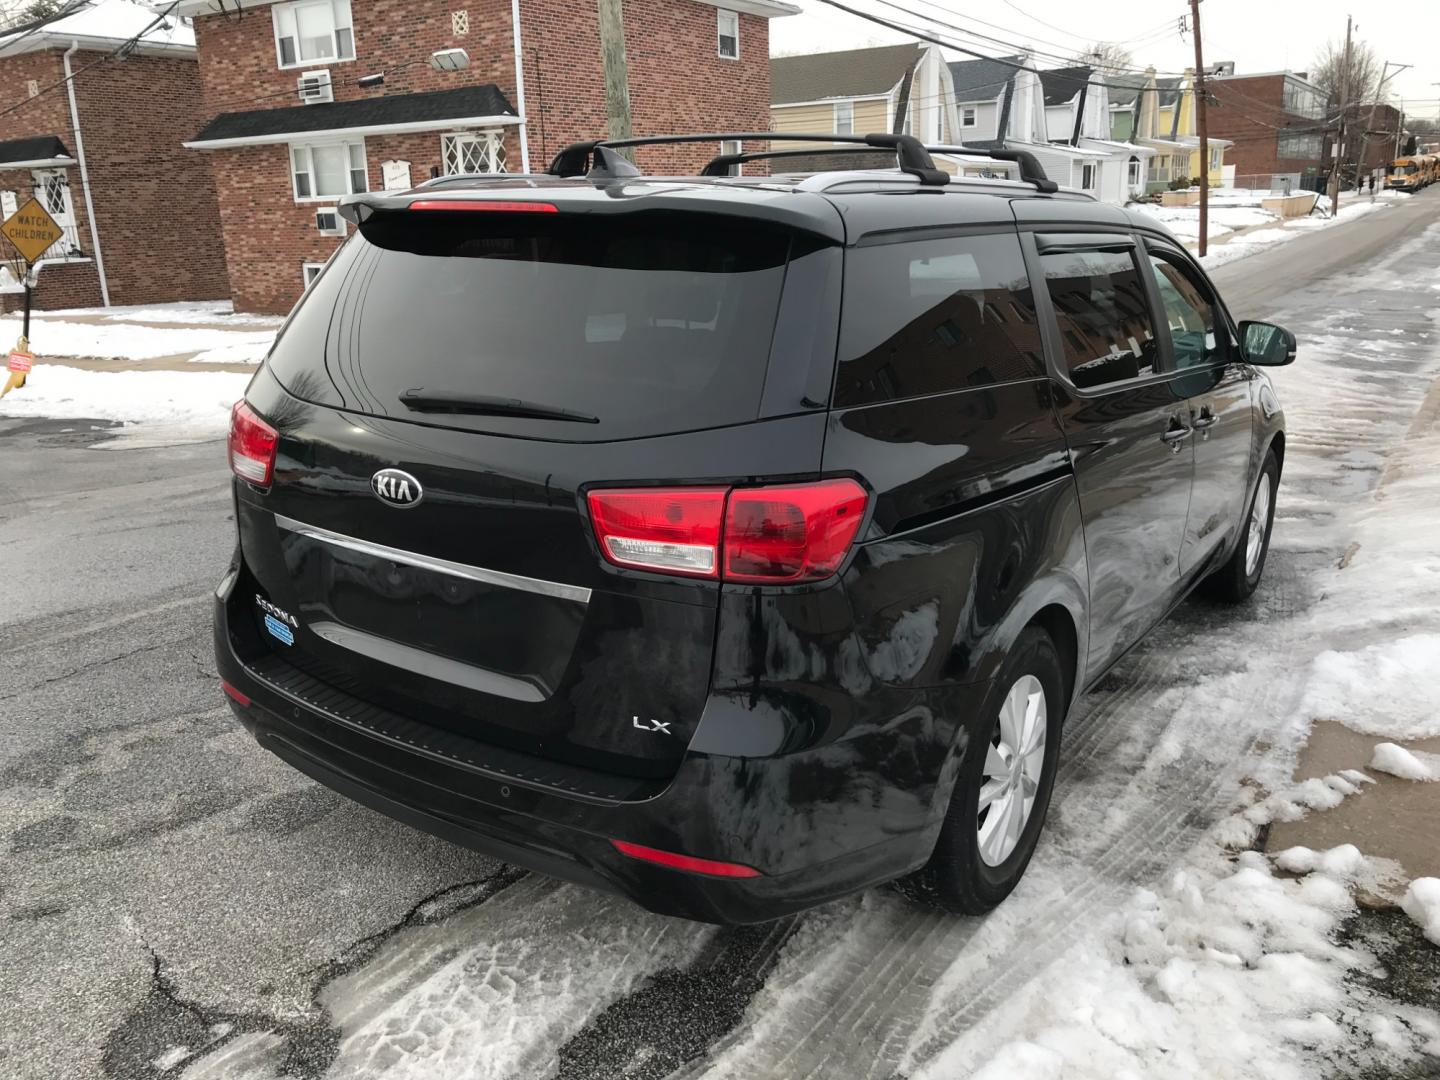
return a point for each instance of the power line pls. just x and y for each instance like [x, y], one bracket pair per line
[123, 48]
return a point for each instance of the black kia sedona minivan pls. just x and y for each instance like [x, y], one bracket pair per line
[733, 543]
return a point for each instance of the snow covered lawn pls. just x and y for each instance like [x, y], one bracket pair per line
[193, 312]
[1262, 239]
[1184, 221]
[198, 401]
[119, 333]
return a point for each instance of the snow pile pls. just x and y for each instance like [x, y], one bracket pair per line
[1422, 903]
[176, 398]
[1406, 764]
[1343, 861]
[1228, 973]
[1390, 689]
[126, 341]
[1290, 804]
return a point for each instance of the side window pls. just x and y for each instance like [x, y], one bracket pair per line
[929, 316]
[1190, 315]
[1103, 316]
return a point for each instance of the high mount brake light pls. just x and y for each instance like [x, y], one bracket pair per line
[500, 205]
[775, 535]
[684, 862]
[252, 446]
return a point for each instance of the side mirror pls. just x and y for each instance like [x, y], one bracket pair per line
[1266, 345]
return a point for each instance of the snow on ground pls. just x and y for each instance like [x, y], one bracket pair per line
[1249, 243]
[1403, 671]
[1422, 903]
[1406, 764]
[127, 341]
[1184, 221]
[181, 399]
[1224, 971]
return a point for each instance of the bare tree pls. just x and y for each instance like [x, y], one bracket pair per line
[1107, 58]
[1329, 71]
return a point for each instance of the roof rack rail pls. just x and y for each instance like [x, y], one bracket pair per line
[1031, 171]
[593, 159]
[720, 165]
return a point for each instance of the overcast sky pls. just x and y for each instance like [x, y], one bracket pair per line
[1259, 35]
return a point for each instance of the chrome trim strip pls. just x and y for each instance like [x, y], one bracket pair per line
[559, 590]
[429, 664]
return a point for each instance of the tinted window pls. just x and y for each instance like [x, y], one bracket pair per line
[1190, 315]
[652, 322]
[1103, 316]
[936, 315]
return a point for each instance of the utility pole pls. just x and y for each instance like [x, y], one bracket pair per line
[1200, 126]
[617, 71]
[1344, 105]
[1385, 76]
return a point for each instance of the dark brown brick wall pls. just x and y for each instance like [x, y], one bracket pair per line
[155, 203]
[677, 84]
[154, 200]
[1251, 113]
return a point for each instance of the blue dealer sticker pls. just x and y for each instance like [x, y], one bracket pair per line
[279, 630]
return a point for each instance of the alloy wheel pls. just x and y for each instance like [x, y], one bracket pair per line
[1014, 764]
[1259, 521]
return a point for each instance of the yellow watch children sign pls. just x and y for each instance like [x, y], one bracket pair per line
[32, 230]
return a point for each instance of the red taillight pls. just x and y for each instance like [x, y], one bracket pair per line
[785, 534]
[511, 206]
[234, 695]
[684, 862]
[776, 535]
[672, 530]
[252, 446]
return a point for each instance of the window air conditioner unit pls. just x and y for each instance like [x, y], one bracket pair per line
[314, 87]
[328, 222]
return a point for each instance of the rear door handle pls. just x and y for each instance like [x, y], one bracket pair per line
[1176, 434]
[1206, 419]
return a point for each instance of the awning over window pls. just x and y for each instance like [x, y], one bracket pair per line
[465, 106]
[37, 151]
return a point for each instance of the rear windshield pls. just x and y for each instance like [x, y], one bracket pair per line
[620, 325]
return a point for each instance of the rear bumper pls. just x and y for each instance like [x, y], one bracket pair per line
[817, 823]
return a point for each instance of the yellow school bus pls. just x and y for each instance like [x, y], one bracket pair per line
[1413, 173]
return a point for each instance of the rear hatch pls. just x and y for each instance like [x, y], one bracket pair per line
[505, 362]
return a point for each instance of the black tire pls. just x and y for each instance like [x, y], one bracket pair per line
[957, 878]
[1234, 582]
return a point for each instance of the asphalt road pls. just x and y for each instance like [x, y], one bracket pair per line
[166, 885]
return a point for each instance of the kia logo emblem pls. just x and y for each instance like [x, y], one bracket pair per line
[397, 487]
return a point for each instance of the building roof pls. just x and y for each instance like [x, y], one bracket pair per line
[1124, 89]
[1062, 84]
[32, 151]
[851, 73]
[103, 24]
[393, 112]
[1168, 90]
[980, 80]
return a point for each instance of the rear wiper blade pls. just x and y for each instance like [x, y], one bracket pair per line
[447, 401]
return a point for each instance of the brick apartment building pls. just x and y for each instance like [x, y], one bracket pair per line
[1372, 140]
[288, 129]
[1277, 120]
[102, 153]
